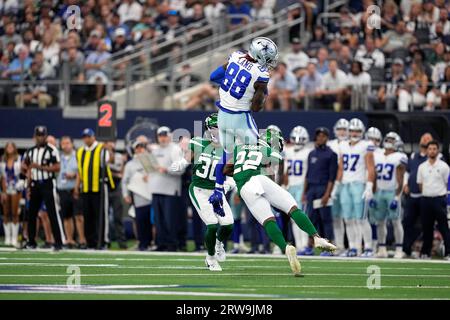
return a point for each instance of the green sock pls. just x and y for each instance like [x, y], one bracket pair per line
[303, 222]
[275, 234]
[224, 232]
[210, 238]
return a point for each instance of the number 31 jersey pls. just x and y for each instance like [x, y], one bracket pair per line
[296, 164]
[386, 166]
[237, 89]
[353, 158]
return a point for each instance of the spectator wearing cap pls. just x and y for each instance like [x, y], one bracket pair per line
[142, 205]
[95, 66]
[93, 179]
[319, 182]
[130, 12]
[241, 11]
[35, 90]
[282, 88]
[395, 79]
[432, 178]
[296, 59]
[120, 42]
[310, 86]
[166, 190]
[41, 164]
[333, 86]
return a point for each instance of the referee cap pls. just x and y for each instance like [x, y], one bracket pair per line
[163, 131]
[40, 130]
[88, 132]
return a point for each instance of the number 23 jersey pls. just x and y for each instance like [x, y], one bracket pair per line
[354, 162]
[237, 89]
[386, 167]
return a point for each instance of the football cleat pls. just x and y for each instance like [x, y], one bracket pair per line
[326, 254]
[352, 252]
[212, 264]
[220, 251]
[306, 252]
[324, 244]
[382, 252]
[291, 254]
[368, 253]
[399, 254]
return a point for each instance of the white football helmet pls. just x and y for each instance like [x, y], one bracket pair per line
[341, 124]
[392, 141]
[299, 136]
[356, 125]
[265, 51]
[374, 135]
[274, 127]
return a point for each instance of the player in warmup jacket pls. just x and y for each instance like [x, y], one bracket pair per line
[296, 163]
[205, 154]
[340, 131]
[357, 175]
[390, 167]
[243, 88]
[251, 163]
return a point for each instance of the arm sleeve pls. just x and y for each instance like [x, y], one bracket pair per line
[333, 167]
[217, 75]
[419, 175]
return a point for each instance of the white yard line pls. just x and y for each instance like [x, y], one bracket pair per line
[40, 264]
[344, 286]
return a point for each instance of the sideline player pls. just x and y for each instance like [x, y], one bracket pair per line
[243, 87]
[357, 174]
[390, 166]
[340, 131]
[260, 193]
[204, 154]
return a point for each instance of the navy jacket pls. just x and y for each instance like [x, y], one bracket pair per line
[413, 165]
[322, 166]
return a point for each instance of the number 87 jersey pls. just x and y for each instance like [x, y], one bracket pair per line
[237, 89]
[353, 159]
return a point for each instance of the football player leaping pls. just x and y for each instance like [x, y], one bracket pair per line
[243, 88]
[260, 193]
[357, 175]
[204, 154]
[340, 130]
[390, 166]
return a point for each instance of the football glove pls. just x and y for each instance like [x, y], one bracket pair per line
[178, 166]
[336, 190]
[373, 203]
[216, 199]
[394, 203]
[368, 193]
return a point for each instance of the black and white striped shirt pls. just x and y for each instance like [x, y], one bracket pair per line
[45, 155]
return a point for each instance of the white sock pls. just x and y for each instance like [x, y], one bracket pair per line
[381, 232]
[351, 233]
[339, 230]
[300, 237]
[358, 235]
[15, 232]
[7, 227]
[241, 239]
[366, 233]
[398, 232]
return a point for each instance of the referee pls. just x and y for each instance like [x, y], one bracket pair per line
[432, 178]
[93, 177]
[42, 163]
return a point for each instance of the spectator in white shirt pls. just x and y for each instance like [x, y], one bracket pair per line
[333, 85]
[358, 85]
[369, 55]
[130, 11]
[432, 178]
[214, 11]
[296, 60]
[261, 14]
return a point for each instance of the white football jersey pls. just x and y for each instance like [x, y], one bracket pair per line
[386, 166]
[296, 164]
[237, 89]
[353, 157]
[334, 145]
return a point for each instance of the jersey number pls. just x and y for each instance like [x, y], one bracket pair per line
[236, 81]
[350, 161]
[295, 167]
[388, 173]
[247, 161]
[208, 170]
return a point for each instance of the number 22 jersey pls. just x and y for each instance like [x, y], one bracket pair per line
[353, 158]
[237, 89]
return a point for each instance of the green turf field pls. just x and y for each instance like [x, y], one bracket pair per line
[131, 275]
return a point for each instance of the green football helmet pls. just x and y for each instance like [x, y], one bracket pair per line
[212, 127]
[272, 138]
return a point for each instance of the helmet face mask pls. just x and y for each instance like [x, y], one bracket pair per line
[392, 141]
[265, 51]
[299, 136]
[340, 129]
[374, 134]
[356, 129]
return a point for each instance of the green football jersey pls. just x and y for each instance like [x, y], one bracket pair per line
[206, 157]
[252, 160]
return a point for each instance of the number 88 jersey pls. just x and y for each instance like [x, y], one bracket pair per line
[354, 162]
[237, 89]
[386, 166]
